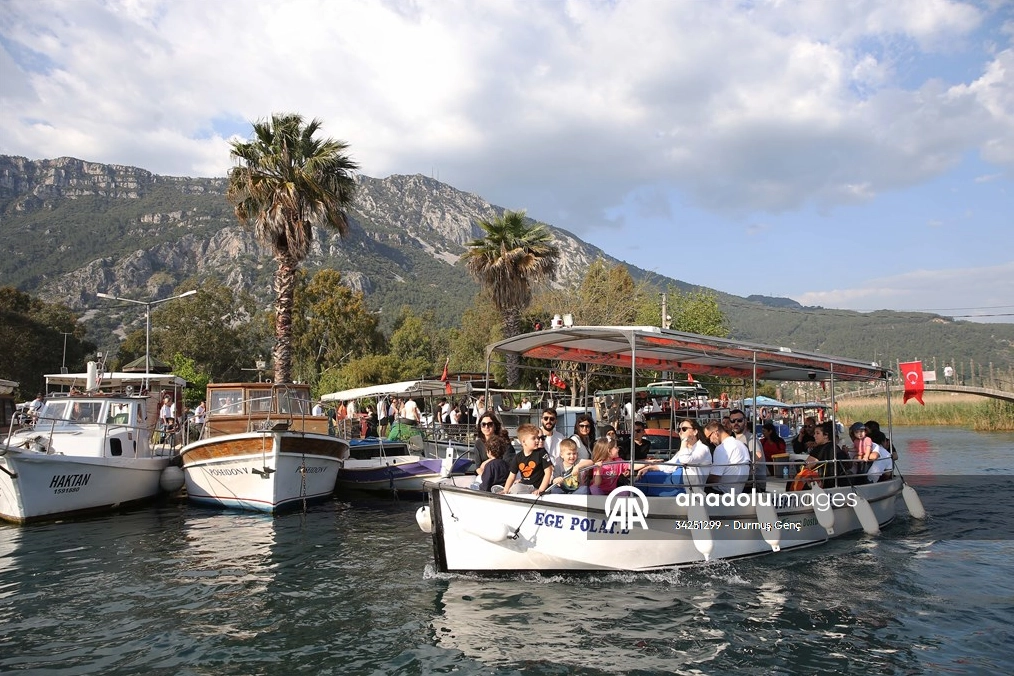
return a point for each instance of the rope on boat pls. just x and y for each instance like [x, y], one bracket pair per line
[515, 535]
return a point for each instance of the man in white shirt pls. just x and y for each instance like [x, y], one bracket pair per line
[730, 465]
[547, 428]
[760, 473]
[318, 410]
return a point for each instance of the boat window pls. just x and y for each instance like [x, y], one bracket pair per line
[55, 410]
[226, 402]
[85, 411]
[260, 401]
[119, 414]
[294, 401]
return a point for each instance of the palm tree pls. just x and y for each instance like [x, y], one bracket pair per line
[287, 182]
[513, 256]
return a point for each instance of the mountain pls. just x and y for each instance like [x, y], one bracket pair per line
[70, 228]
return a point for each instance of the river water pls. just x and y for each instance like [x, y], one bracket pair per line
[349, 588]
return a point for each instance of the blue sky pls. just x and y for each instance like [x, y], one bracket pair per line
[853, 155]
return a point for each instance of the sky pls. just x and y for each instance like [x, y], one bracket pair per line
[853, 154]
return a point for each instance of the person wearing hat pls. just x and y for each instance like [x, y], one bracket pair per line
[861, 444]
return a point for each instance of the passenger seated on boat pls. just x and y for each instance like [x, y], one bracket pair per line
[730, 462]
[402, 430]
[489, 426]
[877, 464]
[693, 456]
[875, 434]
[570, 472]
[494, 471]
[831, 463]
[532, 468]
[803, 442]
[608, 467]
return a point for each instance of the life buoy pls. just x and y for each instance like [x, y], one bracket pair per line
[803, 479]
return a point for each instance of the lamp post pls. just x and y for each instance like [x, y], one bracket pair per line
[147, 321]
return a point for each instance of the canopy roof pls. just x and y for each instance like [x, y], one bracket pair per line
[408, 388]
[116, 379]
[765, 401]
[650, 347]
[660, 390]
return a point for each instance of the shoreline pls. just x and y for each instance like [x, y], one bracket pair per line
[978, 413]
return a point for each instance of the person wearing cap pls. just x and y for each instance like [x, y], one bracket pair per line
[861, 444]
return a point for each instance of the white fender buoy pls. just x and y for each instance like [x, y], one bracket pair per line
[422, 517]
[767, 515]
[171, 479]
[447, 463]
[703, 540]
[913, 502]
[867, 519]
[825, 516]
[490, 532]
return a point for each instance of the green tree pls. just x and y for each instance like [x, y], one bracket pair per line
[287, 183]
[417, 336]
[370, 370]
[32, 334]
[331, 324]
[513, 257]
[215, 328]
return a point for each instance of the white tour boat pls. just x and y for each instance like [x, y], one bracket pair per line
[629, 529]
[261, 449]
[87, 451]
[429, 451]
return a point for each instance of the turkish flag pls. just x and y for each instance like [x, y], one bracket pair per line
[443, 377]
[911, 372]
[557, 381]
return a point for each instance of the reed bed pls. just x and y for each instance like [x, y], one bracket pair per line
[977, 413]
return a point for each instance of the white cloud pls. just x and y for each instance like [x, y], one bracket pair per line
[568, 109]
[977, 294]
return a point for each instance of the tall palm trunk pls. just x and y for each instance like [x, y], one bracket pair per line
[511, 328]
[285, 286]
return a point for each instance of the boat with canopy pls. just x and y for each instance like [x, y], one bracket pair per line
[419, 451]
[629, 530]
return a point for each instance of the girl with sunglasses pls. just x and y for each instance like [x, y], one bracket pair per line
[487, 427]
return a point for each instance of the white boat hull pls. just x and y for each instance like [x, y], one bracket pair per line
[37, 485]
[475, 531]
[262, 471]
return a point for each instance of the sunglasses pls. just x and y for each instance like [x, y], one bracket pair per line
[737, 420]
[486, 424]
[685, 428]
[541, 437]
[584, 425]
[548, 419]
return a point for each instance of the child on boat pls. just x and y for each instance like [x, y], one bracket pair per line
[569, 471]
[494, 471]
[609, 467]
[532, 468]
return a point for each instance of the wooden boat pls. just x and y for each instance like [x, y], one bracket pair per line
[261, 449]
[87, 451]
[629, 530]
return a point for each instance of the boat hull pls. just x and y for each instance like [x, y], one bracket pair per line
[36, 486]
[474, 532]
[403, 473]
[267, 471]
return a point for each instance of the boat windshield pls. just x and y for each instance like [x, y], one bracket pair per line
[72, 411]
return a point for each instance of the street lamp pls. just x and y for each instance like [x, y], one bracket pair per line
[147, 321]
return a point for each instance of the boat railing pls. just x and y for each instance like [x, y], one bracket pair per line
[39, 436]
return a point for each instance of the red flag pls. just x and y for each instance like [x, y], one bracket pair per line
[443, 376]
[690, 378]
[911, 372]
[557, 381]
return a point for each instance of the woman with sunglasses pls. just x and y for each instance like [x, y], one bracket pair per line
[487, 427]
[584, 435]
[693, 456]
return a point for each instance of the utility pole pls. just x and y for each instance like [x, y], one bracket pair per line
[63, 368]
